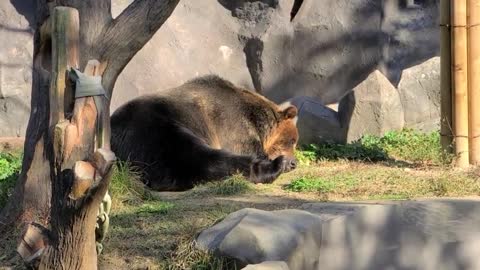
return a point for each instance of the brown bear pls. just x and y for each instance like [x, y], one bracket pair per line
[206, 129]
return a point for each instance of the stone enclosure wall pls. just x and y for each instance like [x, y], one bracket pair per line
[313, 53]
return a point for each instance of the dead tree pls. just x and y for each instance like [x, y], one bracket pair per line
[67, 159]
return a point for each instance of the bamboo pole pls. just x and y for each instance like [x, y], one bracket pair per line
[445, 77]
[474, 80]
[460, 83]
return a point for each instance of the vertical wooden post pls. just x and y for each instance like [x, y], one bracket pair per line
[445, 77]
[474, 80]
[65, 54]
[460, 83]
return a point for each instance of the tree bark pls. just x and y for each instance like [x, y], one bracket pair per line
[30, 200]
[71, 240]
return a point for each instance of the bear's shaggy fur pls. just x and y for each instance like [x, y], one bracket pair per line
[206, 129]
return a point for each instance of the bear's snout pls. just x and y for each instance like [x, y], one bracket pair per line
[291, 164]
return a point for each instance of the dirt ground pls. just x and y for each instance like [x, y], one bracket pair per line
[8, 144]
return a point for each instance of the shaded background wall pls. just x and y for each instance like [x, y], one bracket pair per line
[280, 48]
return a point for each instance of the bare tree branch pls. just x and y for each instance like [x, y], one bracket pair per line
[129, 32]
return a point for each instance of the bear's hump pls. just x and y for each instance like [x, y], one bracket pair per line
[212, 81]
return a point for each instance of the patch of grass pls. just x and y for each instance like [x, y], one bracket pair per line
[234, 185]
[360, 181]
[10, 166]
[332, 151]
[307, 155]
[407, 145]
[415, 146]
[309, 184]
[126, 185]
[353, 151]
[155, 207]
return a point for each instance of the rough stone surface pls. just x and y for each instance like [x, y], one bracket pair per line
[327, 49]
[267, 266]
[440, 234]
[419, 90]
[15, 68]
[436, 234]
[247, 236]
[373, 107]
[317, 122]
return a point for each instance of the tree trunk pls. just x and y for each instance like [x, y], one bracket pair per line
[30, 200]
[57, 142]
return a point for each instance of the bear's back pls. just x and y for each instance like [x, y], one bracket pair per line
[236, 117]
[215, 110]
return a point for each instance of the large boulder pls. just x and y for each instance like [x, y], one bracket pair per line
[316, 122]
[373, 107]
[436, 234]
[419, 90]
[253, 236]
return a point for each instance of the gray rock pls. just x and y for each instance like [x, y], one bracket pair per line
[14, 114]
[267, 266]
[406, 25]
[373, 107]
[327, 52]
[253, 236]
[419, 90]
[15, 68]
[316, 122]
[435, 234]
[439, 234]
[201, 37]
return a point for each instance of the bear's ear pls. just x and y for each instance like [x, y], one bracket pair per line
[288, 110]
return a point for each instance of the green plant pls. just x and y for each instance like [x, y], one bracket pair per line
[126, 183]
[407, 144]
[309, 184]
[306, 156]
[155, 207]
[415, 146]
[10, 165]
[334, 151]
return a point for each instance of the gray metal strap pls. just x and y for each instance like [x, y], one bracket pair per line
[85, 85]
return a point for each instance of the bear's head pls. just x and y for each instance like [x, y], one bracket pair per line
[283, 138]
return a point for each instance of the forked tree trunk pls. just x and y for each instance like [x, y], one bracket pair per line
[59, 155]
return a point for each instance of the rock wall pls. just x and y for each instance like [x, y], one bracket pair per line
[15, 68]
[323, 51]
